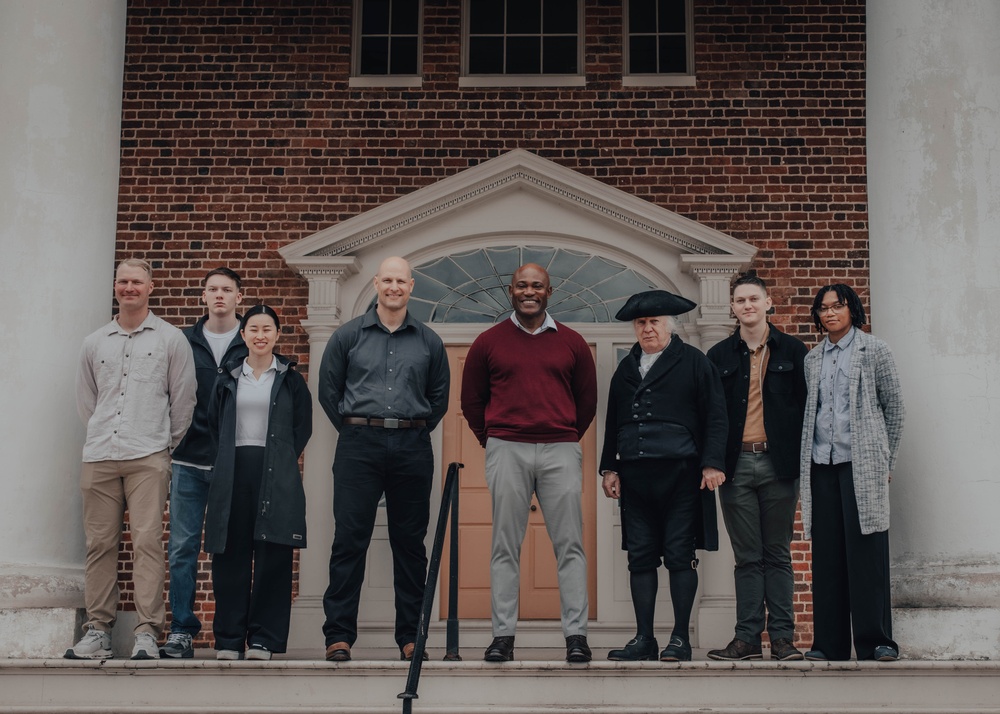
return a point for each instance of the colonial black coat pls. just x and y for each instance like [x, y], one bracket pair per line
[677, 411]
[281, 512]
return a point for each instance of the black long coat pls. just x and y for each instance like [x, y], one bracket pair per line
[281, 512]
[677, 411]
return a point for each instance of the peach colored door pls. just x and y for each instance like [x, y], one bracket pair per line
[539, 598]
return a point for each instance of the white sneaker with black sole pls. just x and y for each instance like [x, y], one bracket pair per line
[145, 647]
[94, 644]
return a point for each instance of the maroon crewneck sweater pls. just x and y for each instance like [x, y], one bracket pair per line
[537, 389]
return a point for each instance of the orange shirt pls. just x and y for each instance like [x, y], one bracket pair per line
[753, 428]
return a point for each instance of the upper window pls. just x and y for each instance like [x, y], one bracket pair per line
[386, 42]
[523, 42]
[658, 47]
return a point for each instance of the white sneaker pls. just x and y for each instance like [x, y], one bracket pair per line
[228, 654]
[94, 644]
[258, 652]
[145, 647]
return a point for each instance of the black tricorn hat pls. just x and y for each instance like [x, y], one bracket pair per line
[652, 303]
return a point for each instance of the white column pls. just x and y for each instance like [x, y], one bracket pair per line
[326, 276]
[934, 182]
[60, 109]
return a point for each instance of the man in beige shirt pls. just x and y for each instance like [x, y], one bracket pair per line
[136, 392]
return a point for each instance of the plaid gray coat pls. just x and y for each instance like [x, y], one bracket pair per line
[876, 428]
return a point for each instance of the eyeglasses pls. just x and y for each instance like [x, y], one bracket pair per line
[835, 307]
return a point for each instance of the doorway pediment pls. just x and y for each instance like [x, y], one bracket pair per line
[518, 198]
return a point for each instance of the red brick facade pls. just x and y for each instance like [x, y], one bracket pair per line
[240, 135]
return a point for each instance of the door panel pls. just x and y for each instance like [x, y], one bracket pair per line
[539, 595]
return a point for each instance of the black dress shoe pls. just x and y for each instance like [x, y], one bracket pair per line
[816, 656]
[577, 649]
[501, 649]
[677, 650]
[639, 648]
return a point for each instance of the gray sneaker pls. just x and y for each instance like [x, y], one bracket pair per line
[178, 646]
[228, 655]
[145, 647]
[94, 644]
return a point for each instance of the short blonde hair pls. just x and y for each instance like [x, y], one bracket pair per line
[136, 263]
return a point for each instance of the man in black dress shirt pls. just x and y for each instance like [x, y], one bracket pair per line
[383, 382]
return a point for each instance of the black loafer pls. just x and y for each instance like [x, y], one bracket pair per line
[816, 656]
[577, 649]
[501, 649]
[639, 648]
[677, 650]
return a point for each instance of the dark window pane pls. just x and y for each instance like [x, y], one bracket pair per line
[486, 55]
[524, 55]
[374, 55]
[641, 15]
[559, 16]
[672, 16]
[642, 55]
[486, 17]
[559, 56]
[673, 54]
[405, 17]
[524, 17]
[403, 57]
[374, 17]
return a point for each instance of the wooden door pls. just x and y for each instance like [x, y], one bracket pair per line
[539, 596]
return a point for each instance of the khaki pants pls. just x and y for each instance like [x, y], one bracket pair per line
[109, 487]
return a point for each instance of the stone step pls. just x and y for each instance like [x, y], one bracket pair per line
[521, 687]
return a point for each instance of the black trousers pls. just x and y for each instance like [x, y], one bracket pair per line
[372, 462]
[252, 579]
[660, 505]
[851, 591]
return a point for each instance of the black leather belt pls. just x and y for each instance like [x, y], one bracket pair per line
[754, 447]
[386, 423]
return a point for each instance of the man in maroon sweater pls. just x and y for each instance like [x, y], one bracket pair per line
[529, 392]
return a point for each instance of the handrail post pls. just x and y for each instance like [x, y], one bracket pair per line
[451, 651]
[449, 500]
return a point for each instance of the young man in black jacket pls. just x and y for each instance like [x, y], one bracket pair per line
[215, 340]
[764, 384]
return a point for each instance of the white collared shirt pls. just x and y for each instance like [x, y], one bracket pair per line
[548, 324]
[253, 403]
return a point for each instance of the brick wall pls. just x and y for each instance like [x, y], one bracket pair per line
[240, 135]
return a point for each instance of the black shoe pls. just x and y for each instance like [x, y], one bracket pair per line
[783, 650]
[677, 650]
[638, 648]
[501, 649]
[577, 649]
[816, 656]
[737, 650]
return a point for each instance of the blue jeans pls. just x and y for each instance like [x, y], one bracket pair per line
[188, 498]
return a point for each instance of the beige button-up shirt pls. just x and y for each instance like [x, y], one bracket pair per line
[135, 391]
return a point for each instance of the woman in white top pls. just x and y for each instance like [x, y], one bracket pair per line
[261, 418]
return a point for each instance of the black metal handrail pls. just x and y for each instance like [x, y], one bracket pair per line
[449, 503]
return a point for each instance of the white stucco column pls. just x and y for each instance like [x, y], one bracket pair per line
[326, 276]
[934, 190]
[60, 109]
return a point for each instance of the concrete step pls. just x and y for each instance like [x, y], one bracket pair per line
[527, 686]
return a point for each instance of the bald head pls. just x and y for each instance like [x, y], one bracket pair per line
[529, 294]
[394, 283]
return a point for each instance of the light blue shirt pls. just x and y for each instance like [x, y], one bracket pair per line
[548, 324]
[832, 435]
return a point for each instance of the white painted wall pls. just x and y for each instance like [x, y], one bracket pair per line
[934, 189]
[60, 113]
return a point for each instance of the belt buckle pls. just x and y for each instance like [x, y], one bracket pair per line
[763, 447]
[392, 423]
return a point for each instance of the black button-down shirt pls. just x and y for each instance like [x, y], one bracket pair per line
[368, 371]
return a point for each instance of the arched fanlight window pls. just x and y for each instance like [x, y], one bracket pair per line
[472, 287]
